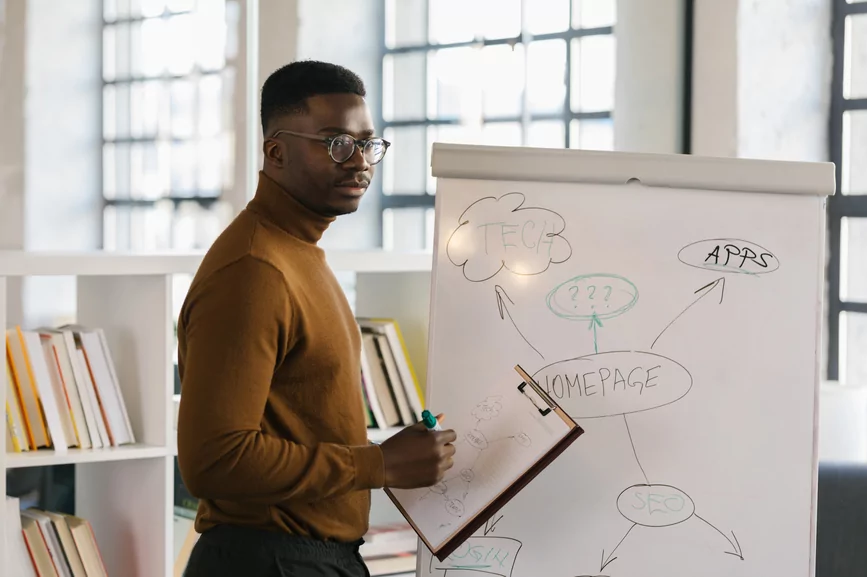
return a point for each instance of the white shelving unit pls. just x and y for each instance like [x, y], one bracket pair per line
[127, 492]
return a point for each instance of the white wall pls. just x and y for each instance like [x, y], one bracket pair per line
[12, 43]
[648, 98]
[50, 165]
[349, 33]
[761, 79]
[784, 79]
[63, 143]
[715, 79]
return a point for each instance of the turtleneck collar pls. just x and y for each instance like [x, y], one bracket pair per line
[278, 206]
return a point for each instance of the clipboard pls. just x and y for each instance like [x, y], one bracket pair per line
[544, 410]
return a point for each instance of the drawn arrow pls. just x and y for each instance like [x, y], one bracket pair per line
[502, 297]
[611, 558]
[705, 290]
[491, 524]
[738, 552]
[634, 452]
[594, 321]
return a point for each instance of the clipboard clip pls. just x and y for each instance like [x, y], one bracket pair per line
[527, 379]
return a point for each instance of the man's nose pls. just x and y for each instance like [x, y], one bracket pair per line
[357, 162]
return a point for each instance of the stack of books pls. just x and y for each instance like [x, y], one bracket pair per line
[47, 544]
[62, 391]
[390, 550]
[392, 394]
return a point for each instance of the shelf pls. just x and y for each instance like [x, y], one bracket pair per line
[97, 263]
[379, 261]
[17, 263]
[375, 435]
[380, 435]
[45, 457]
[135, 535]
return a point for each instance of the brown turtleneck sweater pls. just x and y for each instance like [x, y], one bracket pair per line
[271, 428]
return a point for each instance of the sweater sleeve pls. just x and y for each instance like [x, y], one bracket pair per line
[236, 328]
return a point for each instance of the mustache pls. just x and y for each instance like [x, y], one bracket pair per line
[361, 182]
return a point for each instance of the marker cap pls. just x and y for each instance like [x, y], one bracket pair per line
[428, 419]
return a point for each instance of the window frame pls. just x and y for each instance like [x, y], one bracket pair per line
[840, 205]
[406, 199]
[203, 199]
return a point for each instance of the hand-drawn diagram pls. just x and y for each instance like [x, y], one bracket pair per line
[476, 442]
[483, 554]
[729, 255]
[500, 233]
[576, 299]
[502, 297]
[609, 384]
[620, 383]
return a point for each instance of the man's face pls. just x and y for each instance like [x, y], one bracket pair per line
[303, 166]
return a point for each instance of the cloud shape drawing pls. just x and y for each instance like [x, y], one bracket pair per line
[501, 233]
[488, 409]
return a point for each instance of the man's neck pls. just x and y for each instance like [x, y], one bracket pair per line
[278, 205]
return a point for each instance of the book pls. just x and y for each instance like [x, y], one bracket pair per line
[62, 391]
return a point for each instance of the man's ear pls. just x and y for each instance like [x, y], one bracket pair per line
[274, 152]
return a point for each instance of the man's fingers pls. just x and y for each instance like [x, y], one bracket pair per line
[448, 436]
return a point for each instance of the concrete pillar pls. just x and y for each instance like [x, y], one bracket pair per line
[715, 78]
[648, 98]
[12, 65]
[761, 79]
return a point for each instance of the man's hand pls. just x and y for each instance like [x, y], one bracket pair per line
[416, 457]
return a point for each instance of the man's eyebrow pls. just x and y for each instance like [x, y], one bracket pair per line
[339, 130]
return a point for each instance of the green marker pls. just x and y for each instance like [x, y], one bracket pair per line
[430, 421]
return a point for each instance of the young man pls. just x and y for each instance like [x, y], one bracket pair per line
[271, 432]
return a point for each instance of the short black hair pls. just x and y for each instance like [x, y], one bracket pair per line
[287, 89]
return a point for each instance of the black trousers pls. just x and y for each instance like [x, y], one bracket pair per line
[229, 551]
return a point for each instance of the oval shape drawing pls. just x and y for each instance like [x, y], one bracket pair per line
[614, 383]
[468, 475]
[603, 296]
[477, 439]
[455, 507]
[729, 255]
[523, 439]
[440, 488]
[655, 505]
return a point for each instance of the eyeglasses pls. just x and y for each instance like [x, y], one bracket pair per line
[342, 146]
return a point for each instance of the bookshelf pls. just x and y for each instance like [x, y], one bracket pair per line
[127, 492]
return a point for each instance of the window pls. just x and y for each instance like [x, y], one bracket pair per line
[168, 135]
[847, 209]
[500, 72]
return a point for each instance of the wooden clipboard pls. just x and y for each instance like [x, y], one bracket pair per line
[547, 408]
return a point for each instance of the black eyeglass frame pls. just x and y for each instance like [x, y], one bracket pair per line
[360, 144]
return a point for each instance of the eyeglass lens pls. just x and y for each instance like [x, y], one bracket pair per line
[343, 147]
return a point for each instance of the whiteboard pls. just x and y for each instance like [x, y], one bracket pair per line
[672, 305]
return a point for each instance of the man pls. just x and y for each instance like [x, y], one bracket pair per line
[271, 429]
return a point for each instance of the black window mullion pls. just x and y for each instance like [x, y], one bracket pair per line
[205, 200]
[398, 200]
[836, 155]
[567, 102]
[854, 307]
[514, 40]
[845, 8]
[194, 73]
[567, 117]
[854, 103]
